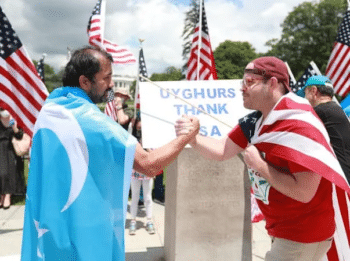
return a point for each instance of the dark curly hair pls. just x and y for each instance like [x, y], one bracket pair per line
[83, 62]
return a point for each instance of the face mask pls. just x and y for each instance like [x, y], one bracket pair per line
[123, 100]
[4, 113]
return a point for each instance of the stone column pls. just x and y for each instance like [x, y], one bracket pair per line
[207, 209]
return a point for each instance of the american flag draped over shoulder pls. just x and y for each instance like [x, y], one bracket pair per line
[338, 67]
[143, 72]
[22, 92]
[293, 119]
[207, 70]
[120, 54]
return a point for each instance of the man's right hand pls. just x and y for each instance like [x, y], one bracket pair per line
[187, 126]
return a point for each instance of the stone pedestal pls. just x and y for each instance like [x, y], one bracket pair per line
[207, 210]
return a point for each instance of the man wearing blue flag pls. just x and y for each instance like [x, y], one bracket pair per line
[80, 168]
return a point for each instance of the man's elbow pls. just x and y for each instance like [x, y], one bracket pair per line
[152, 172]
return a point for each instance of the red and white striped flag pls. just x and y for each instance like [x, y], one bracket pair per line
[95, 31]
[338, 67]
[293, 119]
[110, 110]
[22, 92]
[201, 65]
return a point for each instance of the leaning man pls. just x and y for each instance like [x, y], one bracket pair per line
[80, 168]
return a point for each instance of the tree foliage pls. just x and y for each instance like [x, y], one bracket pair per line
[171, 74]
[132, 88]
[232, 57]
[190, 24]
[308, 34]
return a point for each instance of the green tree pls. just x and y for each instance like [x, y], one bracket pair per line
[52, 80]
[132, 88]
[171, 74]
[232, 57]
[308, 34]
[190, 24]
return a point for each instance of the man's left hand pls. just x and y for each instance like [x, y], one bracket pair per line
[252, 157]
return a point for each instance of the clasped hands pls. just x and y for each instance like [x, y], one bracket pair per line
[187, 126]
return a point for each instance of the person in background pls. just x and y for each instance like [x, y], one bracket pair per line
[11, 166]
[124, 114]
[159, 188]
[138, 181]
[318, 90]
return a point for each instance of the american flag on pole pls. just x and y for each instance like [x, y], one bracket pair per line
[201, 64]
[95, 32]
[311, 70]
[22, 92]
[143, 72]
[338, 67]
[40, 69]
[110, 110]
[292, 131]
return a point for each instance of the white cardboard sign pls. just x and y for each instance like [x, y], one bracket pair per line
[159, 109]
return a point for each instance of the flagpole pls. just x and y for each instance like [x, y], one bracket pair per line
[199, 37]
[314, 66]
[137, 89]
[69, 53]
[103, 15]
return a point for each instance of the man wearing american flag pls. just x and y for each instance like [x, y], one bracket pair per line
[290, 163]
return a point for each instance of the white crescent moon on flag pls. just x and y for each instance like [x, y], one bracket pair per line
[63, 123]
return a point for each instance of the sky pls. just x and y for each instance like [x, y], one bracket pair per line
[50, 26]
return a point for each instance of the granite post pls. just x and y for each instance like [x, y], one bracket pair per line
[207, 209]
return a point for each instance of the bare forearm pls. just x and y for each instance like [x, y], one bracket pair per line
[122, 117]
[215, 149]
[153, 162]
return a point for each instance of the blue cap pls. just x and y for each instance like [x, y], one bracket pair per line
[315, 80]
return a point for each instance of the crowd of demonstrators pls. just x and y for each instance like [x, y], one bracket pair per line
[319, 91]
[123, 112]
[12, 181]
[138, 181]
[98, 151]
[293, 189]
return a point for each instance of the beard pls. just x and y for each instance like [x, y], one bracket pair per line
[107, 96]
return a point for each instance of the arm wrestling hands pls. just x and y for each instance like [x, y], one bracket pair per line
[153, 162]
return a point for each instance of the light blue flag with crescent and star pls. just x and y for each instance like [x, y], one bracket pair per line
[78, 184]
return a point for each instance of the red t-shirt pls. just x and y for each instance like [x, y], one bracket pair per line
[288, 218]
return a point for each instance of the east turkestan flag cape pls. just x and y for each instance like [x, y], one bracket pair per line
[79, 180]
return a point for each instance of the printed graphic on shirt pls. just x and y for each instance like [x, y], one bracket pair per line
[260, 186]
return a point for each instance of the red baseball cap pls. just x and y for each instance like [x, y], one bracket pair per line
[270, 66]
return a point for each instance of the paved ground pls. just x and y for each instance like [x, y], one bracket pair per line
[142, 246]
